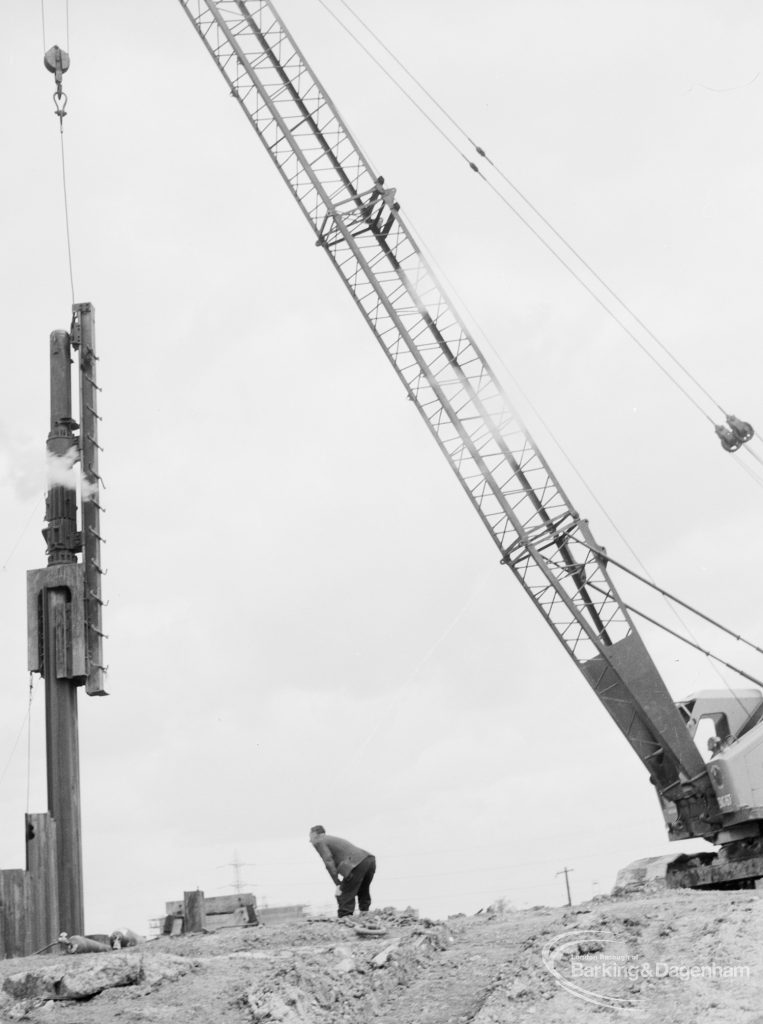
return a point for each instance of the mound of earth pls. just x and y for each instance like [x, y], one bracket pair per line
[664, 957]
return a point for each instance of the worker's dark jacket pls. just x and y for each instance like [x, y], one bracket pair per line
[339, 855]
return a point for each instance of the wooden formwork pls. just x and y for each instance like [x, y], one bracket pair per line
[14, 913]
[44, 911]
[195, 913]
[29, 916]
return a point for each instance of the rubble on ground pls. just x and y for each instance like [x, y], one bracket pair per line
[493, 968]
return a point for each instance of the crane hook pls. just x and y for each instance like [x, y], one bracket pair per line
[59, 102]
[57, 62]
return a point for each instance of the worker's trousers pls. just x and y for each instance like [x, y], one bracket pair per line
[357, 883]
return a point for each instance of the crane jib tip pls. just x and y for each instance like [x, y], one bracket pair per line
[734, 434]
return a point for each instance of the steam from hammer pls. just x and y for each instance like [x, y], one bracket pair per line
[29, 470]
[63, 471]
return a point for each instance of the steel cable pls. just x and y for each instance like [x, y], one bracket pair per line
[29, 742]
[557, 234]
[674, 611]
[672, 632]
[16, 742]
[66, 213]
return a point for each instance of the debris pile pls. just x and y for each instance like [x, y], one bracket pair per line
[65, 980]
[344, 983]
[400, 918]
[681, 955]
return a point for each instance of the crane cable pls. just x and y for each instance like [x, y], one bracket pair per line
[29, 741]
[503, 198]
[736, 433]
[649, 579]
[42, 18]
[750, 471]
[481, 152]
[57, 61]
[66, 212]
[661, 625]
[608, 560]
[713, 659]
[549, 247]
[19, 538]
[25, 724]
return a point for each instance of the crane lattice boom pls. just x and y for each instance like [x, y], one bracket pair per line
[356, 218]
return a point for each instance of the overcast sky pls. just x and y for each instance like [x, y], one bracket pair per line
[308, 623]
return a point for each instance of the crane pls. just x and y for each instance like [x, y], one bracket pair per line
[356, 218]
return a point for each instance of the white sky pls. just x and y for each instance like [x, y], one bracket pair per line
[307, 622]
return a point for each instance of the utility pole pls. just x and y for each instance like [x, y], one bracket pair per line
[238, 885]
[566, 873]
[64, 601]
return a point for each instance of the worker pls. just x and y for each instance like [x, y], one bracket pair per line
[350, 867]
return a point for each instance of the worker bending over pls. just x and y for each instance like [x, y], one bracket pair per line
[350, 867]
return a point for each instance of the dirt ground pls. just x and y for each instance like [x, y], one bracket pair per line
[654, 958]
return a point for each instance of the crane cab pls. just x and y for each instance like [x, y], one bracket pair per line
[730, 722]
[719, 717]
